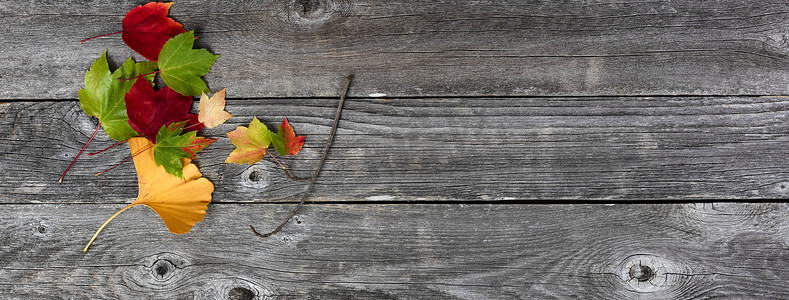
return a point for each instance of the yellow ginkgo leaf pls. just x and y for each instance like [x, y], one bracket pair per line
[179, 202]
[211, 111]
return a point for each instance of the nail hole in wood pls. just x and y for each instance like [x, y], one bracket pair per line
[41, 229]
[240, 293]
[641, 273]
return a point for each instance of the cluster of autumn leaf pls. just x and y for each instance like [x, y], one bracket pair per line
[157, 124]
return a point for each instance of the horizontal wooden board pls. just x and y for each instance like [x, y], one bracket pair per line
[424, 47]
[437, 149]
[689, 251]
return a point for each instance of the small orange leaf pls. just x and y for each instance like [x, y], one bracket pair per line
[179, 202]
[211, 111]
[293, 143]
[251, 143]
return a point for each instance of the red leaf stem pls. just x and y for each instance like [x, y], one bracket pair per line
[275, 159]
[80, 152]
[98, 36]
[108, 148]
[125, 160]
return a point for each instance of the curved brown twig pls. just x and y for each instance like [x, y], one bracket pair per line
[294, 178]
[318, 169]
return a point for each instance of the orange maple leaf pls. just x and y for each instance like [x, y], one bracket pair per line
[293, 143]
[179, 202]
[251, 143]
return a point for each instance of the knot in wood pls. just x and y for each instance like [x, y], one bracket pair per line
[240, 293]
[314, 12]
[641, 273]
[644, 273]
[255, 177]
[653, 273]
[309, 8]
[40, 230]
[163, 269]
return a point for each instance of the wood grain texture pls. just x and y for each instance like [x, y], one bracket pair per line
[696, 251]
[425, 47]
[492, 104]
[681, 148]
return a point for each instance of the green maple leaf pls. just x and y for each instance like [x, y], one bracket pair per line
[181, 66]
[169, 148]
[279, 143]
[103, 95]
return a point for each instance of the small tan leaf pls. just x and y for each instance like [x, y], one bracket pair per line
[211, 111]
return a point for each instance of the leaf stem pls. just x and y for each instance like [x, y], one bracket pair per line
[143, 75]
[320, 163]
[275, 159]
[290, 176]
[190, 126]
[285, 169]
[294, 178]
[108, 148]
[125, 160]
[80, 152]
[98, 36]
[103, 225]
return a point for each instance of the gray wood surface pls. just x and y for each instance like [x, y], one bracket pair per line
[438, 149]
[426, 47]
[462, 116]
[388, 251]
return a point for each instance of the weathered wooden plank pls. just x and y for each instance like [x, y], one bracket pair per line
[442, 149]
[389, 251]
[426, 47]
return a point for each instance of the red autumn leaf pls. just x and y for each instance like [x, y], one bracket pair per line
[293, 143]
[149, 110]
[147, 27]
